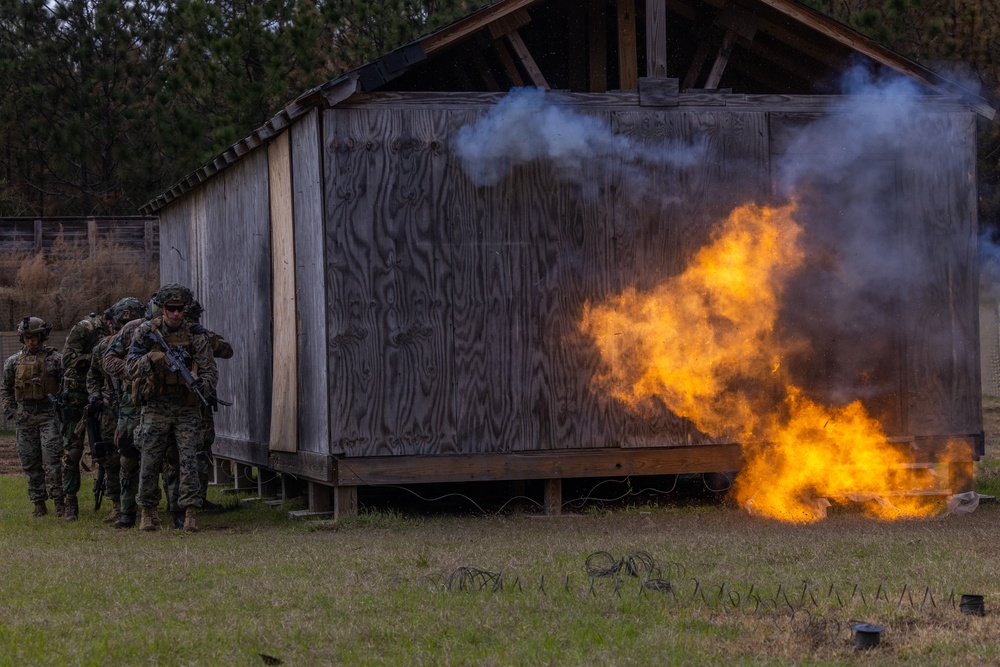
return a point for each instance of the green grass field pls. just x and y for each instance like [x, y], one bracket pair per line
[387, 589]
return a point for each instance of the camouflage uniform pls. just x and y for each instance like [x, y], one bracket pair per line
[76, 362]
[221, 349]
[170, 407]
[128, 419]
[28, 379]
[104, 396]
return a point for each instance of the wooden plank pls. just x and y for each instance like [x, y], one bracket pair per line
[658, 92]
[509, 66]
[628, 69]
[721, 59]
[345, 502]
[284, 369]
[656, 38]
[537, 465]
[235, 290]
[552, 499]
[175, 234]
[597, 56]
[310, 294]
[457, 31]
[512, 22]
[527, 61]
[319, 498]
[306, 465]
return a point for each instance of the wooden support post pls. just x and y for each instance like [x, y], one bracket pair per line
[527, 61]
[507, 28]
[597, 59]
[268, 483]
[291, 488]
[553, 497]
[243, 477]
[345, 502]
[319, 498]
[656, 38]
[91, 237]
[508, 63]
[721, 59]
[221, 475]
[628, 68]
[38, 236]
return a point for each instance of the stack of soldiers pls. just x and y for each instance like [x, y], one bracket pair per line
[148, 380]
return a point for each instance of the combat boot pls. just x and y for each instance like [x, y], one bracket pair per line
[60, 507]
[72, 512]
[149, 520]
[125, 521]
[115, 513]
[189, 524]
[40, 509]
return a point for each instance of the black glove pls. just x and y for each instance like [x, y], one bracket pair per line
[198, 384]
[198, 329]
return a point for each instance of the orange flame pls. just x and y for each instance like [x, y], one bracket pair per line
[704, 342]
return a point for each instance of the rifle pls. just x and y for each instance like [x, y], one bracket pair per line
[99, 450]
[178, 360]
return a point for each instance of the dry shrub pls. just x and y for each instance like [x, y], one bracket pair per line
[65, 284]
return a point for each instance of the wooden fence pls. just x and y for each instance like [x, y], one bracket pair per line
[35, 235]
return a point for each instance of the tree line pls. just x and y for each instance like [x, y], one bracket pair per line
[106, 102]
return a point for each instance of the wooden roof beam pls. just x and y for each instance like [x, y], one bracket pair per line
[628, 68]
[507, 28]
[456, 32]
[738, 23]
[656, 38]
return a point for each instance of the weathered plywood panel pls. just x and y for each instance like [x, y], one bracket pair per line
[235, 289]
[175, 234]
[942, 373]
[284, 375]
[487, 345]
[310, 290]
[389, 323]
[658, 231]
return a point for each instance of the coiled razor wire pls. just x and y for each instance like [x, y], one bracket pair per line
[800, 609]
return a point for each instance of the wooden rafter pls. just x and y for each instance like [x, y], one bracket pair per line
[628, 68]
[506, 28]
[656, 38]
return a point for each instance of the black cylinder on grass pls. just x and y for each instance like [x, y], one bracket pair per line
[972, 604]
[866, 635]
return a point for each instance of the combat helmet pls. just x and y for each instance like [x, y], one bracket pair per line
[33, 325]
[173, 292]
[126, 309]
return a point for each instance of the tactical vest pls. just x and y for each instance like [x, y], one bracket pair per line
[166, 382]
[31, 381]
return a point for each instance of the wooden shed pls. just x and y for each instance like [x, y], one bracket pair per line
[396, 322]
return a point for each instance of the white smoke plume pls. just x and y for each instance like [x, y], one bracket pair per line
[529, 124]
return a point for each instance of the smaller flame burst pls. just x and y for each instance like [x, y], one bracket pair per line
[705, 343]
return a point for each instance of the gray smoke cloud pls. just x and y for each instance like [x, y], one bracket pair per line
[529, 124]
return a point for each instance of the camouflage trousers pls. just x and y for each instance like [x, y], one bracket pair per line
[171, 470]
[73, 437]
[161, 421]
[128, 474]
[38, 447]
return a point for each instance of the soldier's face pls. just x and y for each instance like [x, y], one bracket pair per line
[173, 313]
[32, 341]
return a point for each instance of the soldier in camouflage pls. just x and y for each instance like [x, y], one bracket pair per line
[128, 419]
[76, 362]
[30, 378]
[105, 391]
[170, 406]
[221, 349]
